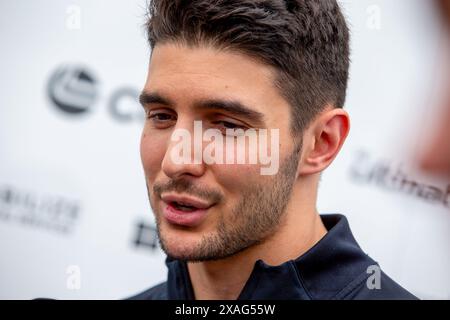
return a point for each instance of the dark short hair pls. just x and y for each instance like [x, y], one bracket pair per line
[307, 41]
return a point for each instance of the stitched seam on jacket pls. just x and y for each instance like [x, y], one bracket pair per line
[300, 279]
[348, 289]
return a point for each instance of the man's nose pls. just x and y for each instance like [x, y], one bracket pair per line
[183, 157]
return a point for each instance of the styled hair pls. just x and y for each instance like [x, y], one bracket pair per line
[306, 41]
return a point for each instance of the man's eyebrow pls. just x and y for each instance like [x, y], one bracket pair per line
[233, 107]
[152, 97]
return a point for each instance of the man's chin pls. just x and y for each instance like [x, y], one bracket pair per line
[180, 247]
[178, 253]
[192, 250]
[195, 246]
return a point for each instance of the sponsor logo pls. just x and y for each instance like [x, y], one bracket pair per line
[394, 177]
[50, 212]
[73, 89]
[146, 236]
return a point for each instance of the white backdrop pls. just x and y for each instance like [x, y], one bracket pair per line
[74, 217]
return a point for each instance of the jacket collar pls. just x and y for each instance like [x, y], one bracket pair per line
[323, 272]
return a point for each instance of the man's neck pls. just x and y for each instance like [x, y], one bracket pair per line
[224, 279]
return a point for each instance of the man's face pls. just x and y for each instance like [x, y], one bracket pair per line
[211, 211]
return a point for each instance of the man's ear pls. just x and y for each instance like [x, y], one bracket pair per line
[323, 139]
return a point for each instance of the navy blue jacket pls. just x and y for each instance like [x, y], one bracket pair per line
[334, 268]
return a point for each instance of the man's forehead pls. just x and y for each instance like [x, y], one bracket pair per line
[208, 61]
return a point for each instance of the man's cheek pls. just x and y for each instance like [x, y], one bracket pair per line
[152, 168]
[152, 155]
[235, 177]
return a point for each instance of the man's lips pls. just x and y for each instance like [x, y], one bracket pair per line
[184, 210]
[185, 200]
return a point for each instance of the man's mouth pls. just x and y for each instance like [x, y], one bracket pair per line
[184, 210]
[185, 202]
[183, 207]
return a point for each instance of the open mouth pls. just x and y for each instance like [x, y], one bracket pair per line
[185, 210]
[183, 207]
[185, 202]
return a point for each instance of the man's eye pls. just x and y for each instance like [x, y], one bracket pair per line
[161, 117]
[225, 126]
[161, 120]
[229, 125]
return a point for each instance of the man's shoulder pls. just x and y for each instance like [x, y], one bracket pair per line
[158, 292]
[387, 289]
